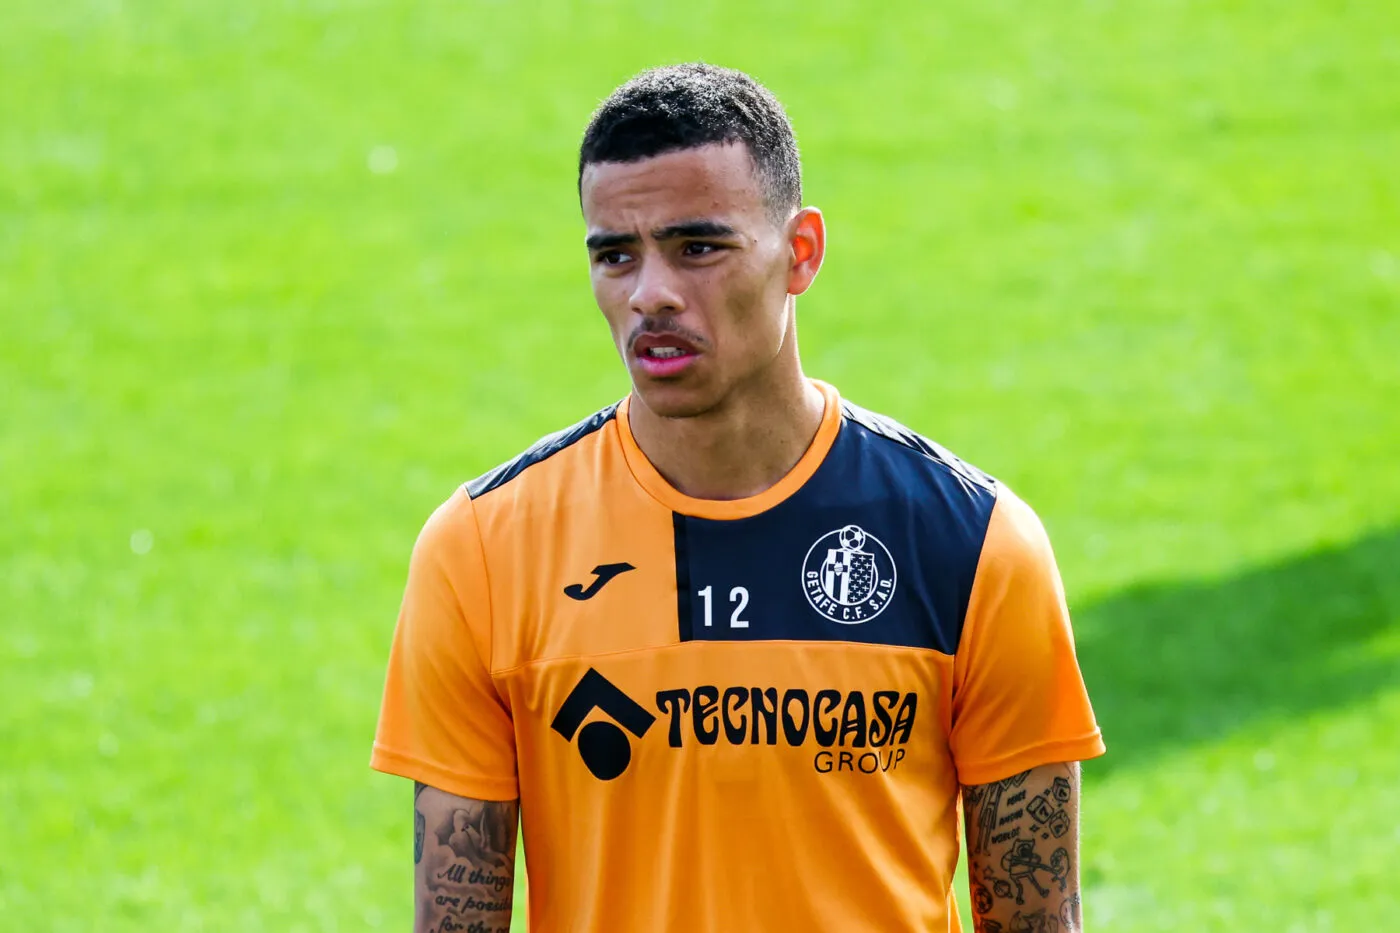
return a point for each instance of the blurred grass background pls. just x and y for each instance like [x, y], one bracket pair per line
[275, 276]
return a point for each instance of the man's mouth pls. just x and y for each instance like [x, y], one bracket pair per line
[663, 355]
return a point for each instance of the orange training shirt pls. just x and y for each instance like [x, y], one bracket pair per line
[734, 715]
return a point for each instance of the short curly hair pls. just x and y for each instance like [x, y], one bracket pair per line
[687, 106]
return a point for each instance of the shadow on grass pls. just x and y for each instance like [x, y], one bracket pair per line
[1172, 665]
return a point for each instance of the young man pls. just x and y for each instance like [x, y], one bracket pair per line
[732, 646]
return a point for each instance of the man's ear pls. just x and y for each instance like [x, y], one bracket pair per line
[808, 241]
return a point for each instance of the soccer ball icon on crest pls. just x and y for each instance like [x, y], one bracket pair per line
[852, 538]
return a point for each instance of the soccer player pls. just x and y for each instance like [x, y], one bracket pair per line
[732, 649]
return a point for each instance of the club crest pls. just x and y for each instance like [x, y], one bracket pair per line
[848, 575]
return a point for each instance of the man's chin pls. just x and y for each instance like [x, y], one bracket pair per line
[673, 400]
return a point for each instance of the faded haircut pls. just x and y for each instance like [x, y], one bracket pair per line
[688, 106]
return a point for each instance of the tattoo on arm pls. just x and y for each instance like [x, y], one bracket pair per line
[1023, 851]
[464, 857]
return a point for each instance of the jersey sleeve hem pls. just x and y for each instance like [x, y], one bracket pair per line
[475, 787]
[1044, 753]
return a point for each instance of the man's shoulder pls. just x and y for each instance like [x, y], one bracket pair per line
[922, 459]
[929, 510]
[977, 520]
[542, 450]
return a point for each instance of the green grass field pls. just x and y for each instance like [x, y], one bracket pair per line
[274, 277]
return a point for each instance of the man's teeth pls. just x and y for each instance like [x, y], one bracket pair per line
[665, 352]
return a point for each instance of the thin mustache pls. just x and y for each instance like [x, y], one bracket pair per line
[657, 326]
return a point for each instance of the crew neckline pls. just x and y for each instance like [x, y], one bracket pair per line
[672, 498]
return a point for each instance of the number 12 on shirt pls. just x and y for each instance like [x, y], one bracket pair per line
[738, 598]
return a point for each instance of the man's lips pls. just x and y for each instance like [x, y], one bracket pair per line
[649, 344]
[662, 355]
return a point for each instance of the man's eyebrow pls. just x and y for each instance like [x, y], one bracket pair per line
[684, 229]
[693, 228]
[608, 240]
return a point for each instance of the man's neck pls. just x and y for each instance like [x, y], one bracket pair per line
[738, 450]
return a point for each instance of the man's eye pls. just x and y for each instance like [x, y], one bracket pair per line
[612, 257]
[700, 249]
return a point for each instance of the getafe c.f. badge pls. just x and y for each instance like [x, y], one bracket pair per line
[848, 575]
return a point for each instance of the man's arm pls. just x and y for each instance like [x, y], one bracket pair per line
[464, 862]
[1023, 851]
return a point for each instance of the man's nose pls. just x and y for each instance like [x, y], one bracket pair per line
[656, 290]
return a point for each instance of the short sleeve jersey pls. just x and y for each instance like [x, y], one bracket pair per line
[734, 715]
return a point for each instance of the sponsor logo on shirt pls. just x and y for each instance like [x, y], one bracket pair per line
[850, 731]
[848, 575]
[601, 575]
[603, 746]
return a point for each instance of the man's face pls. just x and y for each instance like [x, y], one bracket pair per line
[691, 271]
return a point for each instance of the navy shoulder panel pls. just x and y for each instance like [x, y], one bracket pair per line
[892, 430]
[541, 450]
[947, 504]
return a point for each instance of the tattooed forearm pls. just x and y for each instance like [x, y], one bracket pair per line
[1023, 851]
[464, 853]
